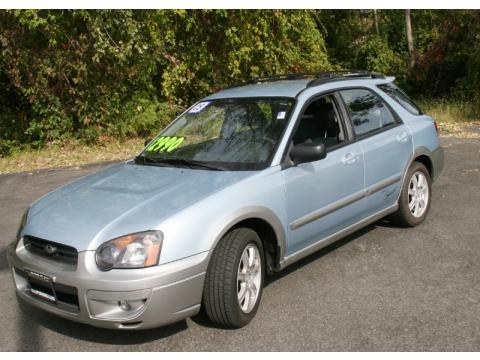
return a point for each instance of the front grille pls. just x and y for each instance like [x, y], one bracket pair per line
[51, 250]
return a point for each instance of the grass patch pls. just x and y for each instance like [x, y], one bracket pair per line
[459, 119]
[70, 153]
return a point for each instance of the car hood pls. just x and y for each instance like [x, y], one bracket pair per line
[122, 199]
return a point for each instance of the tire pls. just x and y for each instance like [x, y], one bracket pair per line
[405, 216]
[222, 285]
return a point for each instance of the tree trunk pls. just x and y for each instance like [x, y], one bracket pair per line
[411, 50]
[377, 29]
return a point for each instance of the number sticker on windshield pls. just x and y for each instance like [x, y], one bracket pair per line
[165, 143]
[199, 107]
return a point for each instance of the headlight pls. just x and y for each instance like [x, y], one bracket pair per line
[130, 252]
[23, 221]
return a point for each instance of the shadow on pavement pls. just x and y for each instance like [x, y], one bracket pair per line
[3, 259]
[202, 319]
[337, 244]
[33, 317]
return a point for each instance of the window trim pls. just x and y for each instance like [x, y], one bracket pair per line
[396, 117]
[285, 163]
[420, 112]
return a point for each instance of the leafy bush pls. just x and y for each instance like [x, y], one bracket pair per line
[144, 117]
[373, 53]
[89, 73]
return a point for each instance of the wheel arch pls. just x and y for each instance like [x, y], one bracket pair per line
[268, 227]
[426, 160]
[422, 155]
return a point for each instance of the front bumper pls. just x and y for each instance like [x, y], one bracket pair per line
[158, 295]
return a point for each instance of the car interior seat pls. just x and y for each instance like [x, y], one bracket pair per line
[317, 124]
[333, 134]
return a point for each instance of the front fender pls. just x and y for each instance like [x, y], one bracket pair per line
[250, 212]
[200, 227]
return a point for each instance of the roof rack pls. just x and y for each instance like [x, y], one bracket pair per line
[318, 78]
[344, 75]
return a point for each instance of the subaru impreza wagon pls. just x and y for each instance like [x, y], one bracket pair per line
[242, 184]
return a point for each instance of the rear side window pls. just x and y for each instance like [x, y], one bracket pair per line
[367, 111]
[400, 97]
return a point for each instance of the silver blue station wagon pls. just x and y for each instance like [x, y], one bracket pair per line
[242, 184]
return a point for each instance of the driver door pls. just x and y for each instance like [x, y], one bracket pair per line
[324, 196]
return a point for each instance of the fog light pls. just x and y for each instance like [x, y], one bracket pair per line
[124, 305]
[121, 306]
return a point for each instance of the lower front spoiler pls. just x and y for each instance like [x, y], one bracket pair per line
[150, 307]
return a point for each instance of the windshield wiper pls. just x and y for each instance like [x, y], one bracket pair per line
[192, 164]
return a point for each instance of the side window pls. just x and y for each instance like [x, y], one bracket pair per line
[400, 97]
[320, 123]
[367, 111]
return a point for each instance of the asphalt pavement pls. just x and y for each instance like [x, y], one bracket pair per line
[382, 289]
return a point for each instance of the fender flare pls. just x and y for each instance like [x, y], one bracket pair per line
[250, 212]
[421, 150]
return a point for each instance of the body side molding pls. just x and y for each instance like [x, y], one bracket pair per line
[317, 214]
[290, 259]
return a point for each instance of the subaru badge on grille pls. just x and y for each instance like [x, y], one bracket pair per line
[50, 249]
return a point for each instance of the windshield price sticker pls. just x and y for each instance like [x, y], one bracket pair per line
[199, 107]
[281, 115]
[165, 143]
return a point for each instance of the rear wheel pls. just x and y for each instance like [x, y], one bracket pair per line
[234, 279]
[415, 197]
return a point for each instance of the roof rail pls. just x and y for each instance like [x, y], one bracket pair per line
[318, 78]
[344, 75]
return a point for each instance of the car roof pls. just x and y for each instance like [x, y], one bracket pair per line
[290, 88]
[281, 88]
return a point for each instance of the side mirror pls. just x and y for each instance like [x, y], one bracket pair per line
[147, 141]
[308, 152]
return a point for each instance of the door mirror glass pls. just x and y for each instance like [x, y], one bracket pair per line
[308, 152]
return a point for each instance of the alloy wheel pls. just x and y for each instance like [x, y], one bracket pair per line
[418, 194]
[249, 278]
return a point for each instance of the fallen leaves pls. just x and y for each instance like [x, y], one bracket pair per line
[70, 154]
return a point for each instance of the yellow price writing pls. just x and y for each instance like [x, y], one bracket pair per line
[165, 143]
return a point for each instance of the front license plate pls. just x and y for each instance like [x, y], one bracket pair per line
[41, 286]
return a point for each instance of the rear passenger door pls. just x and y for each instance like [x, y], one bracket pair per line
[386, 144]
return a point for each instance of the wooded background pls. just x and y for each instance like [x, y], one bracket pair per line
[109, 73]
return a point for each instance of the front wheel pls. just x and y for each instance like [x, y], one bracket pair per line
[234, 279]
[415, 196]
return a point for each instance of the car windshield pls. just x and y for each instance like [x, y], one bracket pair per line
[223, 134]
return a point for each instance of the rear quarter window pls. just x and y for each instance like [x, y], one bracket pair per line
[368, 112]
[400, 97]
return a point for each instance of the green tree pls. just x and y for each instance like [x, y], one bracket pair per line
[87, 73]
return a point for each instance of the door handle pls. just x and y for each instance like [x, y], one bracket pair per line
[349, 158]
[402, 137]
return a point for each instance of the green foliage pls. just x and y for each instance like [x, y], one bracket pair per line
[449, 64]
[91, 73]
[209, 49]
[447, 48]
[373, 53]
[144, 117]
